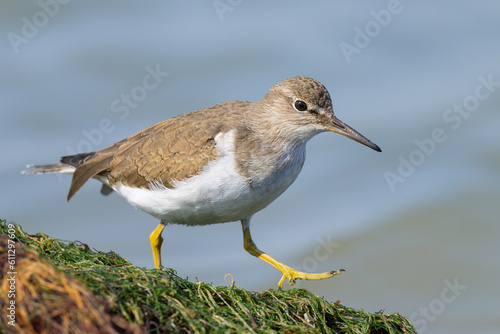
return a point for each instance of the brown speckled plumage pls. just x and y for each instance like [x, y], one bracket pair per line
[180, 147]
[171, 150]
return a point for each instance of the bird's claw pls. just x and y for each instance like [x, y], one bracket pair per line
[293, 275]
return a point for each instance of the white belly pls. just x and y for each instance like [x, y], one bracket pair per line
[218, 194]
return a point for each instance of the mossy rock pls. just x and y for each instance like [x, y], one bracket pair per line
[65, 287]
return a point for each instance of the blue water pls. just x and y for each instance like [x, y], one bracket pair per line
[424, 243]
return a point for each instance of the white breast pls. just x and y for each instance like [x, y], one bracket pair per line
[218, 194]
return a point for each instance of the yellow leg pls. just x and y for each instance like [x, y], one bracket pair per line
[156, 240]
[288, 272]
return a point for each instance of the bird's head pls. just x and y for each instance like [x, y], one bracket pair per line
[302, 107]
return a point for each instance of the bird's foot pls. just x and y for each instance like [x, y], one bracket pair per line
[292, 275]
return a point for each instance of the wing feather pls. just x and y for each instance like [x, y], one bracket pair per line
[168, 151]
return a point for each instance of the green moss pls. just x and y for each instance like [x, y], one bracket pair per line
[159, 301]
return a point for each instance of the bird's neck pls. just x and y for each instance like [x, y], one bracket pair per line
[265, 153]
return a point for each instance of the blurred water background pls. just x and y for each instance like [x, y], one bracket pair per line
[416, 227]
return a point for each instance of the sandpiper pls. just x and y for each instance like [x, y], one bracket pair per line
[215, 165]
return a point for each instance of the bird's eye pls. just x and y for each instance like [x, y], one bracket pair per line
[300, 105]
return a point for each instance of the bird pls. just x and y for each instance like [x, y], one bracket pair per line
[215, 165]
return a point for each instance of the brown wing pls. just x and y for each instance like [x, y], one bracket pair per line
[174, 149]
[171, 150]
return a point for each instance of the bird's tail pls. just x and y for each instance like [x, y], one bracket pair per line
[59, 167]
[67, 165]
